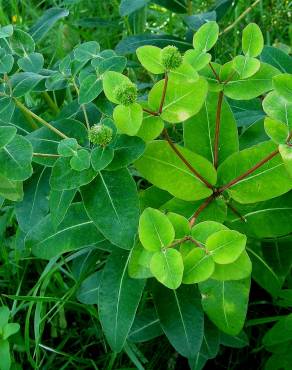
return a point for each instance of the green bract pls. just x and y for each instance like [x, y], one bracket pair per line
[182, 176]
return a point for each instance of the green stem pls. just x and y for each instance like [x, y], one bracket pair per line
[51, 102]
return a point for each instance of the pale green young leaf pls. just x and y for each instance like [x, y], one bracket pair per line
[7, 133]
[150, 58]
[237, 270]
[185, 73]
[203, 230]
[283, 85]
[10, 329]
[268, 181]
[111, 201]
[139, 264]
[180, 224]
[225, 303]
[181, 317]
[197, 59]
[246, 66]
[150, 128]
[206, 36]
[101, 157]
[278, 108]
[118, 299]
[276, 130]
[199, 130]
[252, 40]
[286, 154]
[198, 266]
[162, 167]
[155, 230]
[67, 147]
[225, 246]
[167, 267]
[181, 100]
[128, 119]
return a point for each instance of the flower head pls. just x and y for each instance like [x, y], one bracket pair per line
[100, 135]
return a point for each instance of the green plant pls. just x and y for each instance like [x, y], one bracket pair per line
[64, 172]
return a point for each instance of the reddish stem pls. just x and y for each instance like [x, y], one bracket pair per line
[217, 128]
[214, 72]
[249, 172]
[235, 211]
[150, 112]
[190, 167]
[201, 209]
[163, 93]
[185, 239]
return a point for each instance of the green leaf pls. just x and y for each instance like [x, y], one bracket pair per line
[225, 303]
[128, 119]
[283, 85]
[22, 43]
[198, 266]
[127, 149]
[88, 291]
[63, 177]
[181, 100]
[24, 82]
[150, 128]
[11, 190]
[101, 157]
[150, 58]
[267, 219]
[145, 327]
[181, 317]
[276, 130]
[46, 22]
[35, 205]
[7, 133]
[86, 51]
[111, 63]
[185, 73]
[286, 154]
[111, 201]
[250, 88]
[277, 58]
[225, 246]
[118, 299]
[6, 31]
[199, 131]
[268, 181]
[167, 267]
[111, 80]
[161, 166]
[197, 59]
[246, 66]
[280, 333]
[5, 363]
[59, 204]
[90, 88]
[237, 270]
[203, 230]
[129, 6]
[76, 231]
[252, 40]
[139, 264]
[6, 62]
[15, 159]
[278, 108]
[180, 224]
[155, 230]
[206, 36]
[33, 62]
[4, 316]
[67, 147]
[10, 329]
[80, 160]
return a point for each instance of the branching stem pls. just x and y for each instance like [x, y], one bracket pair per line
[187, 238]
[201, 209]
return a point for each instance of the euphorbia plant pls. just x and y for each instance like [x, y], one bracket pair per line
[204, 199]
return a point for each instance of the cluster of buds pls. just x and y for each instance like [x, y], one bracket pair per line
[100, 135]
[171, 58]
[126, 94]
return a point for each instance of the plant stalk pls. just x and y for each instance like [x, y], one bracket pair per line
[217, 128]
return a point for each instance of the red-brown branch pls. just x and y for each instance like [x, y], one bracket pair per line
[236, 212]
[214, 72]
[217, 128]
[150, 112]
[163, 93]
[185, 161]
[185, 239]
[201, 209]
[249, 172]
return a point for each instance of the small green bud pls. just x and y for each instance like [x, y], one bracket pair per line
[171, 58]
[126, 94]
[100, 135]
